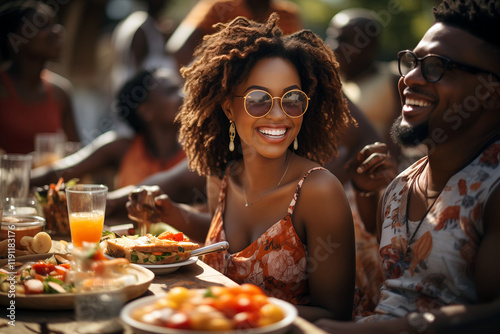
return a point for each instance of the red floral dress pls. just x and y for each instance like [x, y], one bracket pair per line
[276, 261]
[438, 267]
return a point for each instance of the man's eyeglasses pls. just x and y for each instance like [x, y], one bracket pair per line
[258, 103]
[432, 66]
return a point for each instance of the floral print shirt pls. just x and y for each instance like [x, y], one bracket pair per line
[276, 261]
[438, 268]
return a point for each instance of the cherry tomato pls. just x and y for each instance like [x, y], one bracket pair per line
[251, 289]
[245, 320]
[225, 303]
[178, 320]
[244, 304]
[259, 300]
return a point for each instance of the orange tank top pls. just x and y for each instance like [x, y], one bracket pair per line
[20, 121]
[137, 163]
[276, 261]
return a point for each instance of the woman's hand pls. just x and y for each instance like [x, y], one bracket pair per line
[148, 204]
[373, 169]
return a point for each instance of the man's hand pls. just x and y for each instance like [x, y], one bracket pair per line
[372, 169]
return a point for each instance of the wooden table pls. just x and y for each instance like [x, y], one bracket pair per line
[197, 275]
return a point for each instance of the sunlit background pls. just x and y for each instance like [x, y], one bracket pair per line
[89, 24]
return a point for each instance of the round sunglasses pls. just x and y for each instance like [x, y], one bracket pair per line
[258, 103]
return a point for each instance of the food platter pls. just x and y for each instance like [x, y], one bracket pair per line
[66, 301]
[161, 269]
[140, 327]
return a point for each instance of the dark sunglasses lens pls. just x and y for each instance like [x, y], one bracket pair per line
[432, 68]
[407, 62]
[258, 103]
[294, 103]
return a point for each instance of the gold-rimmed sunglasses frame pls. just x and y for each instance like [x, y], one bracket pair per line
[272, 102]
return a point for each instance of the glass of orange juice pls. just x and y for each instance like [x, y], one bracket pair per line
[86, 207]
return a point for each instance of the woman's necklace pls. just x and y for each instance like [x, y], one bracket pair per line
[247, 203]
[410, 239]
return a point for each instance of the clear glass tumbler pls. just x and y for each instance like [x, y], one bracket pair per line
[86, 208]
[14, 176]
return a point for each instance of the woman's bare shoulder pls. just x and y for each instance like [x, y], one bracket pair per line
[320, 181]
[321, 196]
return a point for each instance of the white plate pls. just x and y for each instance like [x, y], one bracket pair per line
[160, 269]
[140, 327]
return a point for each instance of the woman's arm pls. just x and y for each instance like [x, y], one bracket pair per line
[63, 90]
[329, 231]
[181, 185]
[105, 150]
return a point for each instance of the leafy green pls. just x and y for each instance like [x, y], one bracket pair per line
[162, 256]
[133, 257]
[72, 182]
[42, 199]
[48, 289]
[209, 293]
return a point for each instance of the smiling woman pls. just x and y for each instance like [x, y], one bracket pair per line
[262, 112]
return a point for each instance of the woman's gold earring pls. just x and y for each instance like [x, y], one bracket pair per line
[232, 134]
[295, 144]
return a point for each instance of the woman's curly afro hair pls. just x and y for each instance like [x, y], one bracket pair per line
[225, 58]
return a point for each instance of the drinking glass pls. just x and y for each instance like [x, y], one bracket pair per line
[49, 147]
[25, 206]
[98, 294]
[86, 207]
[14, 176]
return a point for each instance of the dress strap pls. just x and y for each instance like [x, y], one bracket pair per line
[223, 186]
[9, 85]
[49, 89]
[295, 198]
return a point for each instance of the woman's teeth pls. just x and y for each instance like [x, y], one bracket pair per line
[273, 132]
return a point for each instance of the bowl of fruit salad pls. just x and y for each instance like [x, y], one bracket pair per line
[220, 309]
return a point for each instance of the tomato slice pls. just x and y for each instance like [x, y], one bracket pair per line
[42, 268]
[179, 236]
[166, 235]
[172, 236]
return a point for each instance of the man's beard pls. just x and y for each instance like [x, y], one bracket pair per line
[407, 136]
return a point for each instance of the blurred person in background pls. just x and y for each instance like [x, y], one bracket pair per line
[32, 98]
[148, 102]
[138, 43]
[200, 20]
[354, 35]
[372, 86]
